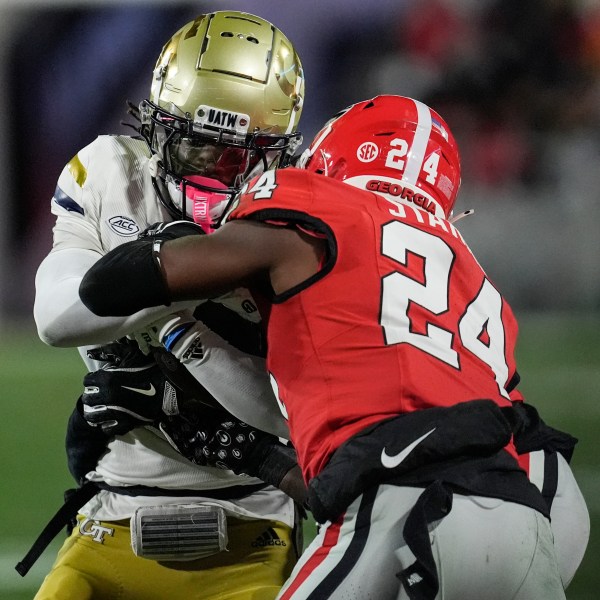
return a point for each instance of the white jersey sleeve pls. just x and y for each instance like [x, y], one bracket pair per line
[104, 198]
[239, 381]
[63, 320]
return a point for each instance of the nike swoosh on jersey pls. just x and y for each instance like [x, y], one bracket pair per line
[149, 392]
[390, 462]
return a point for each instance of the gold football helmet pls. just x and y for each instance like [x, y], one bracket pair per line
[224, 105]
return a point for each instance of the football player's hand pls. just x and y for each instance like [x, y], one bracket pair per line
[116, 399]
[84, 444]
[217, 439]
[122, 352]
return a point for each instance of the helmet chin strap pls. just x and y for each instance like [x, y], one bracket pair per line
[155, 166]
[165, 199]
[202, 199]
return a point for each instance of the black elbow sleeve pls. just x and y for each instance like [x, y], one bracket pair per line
[124, 281]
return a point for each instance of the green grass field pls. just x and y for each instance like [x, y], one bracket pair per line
[559, 359]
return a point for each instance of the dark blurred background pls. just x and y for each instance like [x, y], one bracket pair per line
[518, 82]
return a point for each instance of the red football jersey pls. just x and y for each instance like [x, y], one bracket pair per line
[400, 318]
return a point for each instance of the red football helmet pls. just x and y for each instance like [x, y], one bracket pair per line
[392, 145]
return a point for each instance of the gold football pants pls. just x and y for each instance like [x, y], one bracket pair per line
[97, 562]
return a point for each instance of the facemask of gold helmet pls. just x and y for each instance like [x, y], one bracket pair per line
[224, 105]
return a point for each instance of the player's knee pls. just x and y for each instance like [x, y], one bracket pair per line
[65, 583]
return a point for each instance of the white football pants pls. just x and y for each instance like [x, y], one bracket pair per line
[484, 548]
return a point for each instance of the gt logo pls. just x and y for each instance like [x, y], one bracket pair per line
[95, 530]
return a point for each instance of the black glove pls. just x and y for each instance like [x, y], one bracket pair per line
[213, 439]
[117, 398]
[84, 444]
[171, 230]
[122, 352]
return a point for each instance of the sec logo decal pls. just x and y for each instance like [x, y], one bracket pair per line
[367, 152]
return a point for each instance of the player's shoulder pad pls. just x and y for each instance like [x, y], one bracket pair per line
[100, 152]
[119, 146]
[276, 188]
[289, 176]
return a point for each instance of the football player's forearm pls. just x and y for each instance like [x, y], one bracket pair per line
[62, 319]
[124, 281]
[238, 381]
[293, 485]
[152, 271]
[130, 278]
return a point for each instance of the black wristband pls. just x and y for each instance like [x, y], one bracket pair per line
[171, 230]
[125, 280]
[275, 463]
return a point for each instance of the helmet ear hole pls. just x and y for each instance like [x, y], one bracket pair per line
[338, 170]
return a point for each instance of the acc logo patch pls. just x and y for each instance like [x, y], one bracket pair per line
[367, 152]
[123, 226]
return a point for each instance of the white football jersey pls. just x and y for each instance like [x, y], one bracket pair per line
[105, 198]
